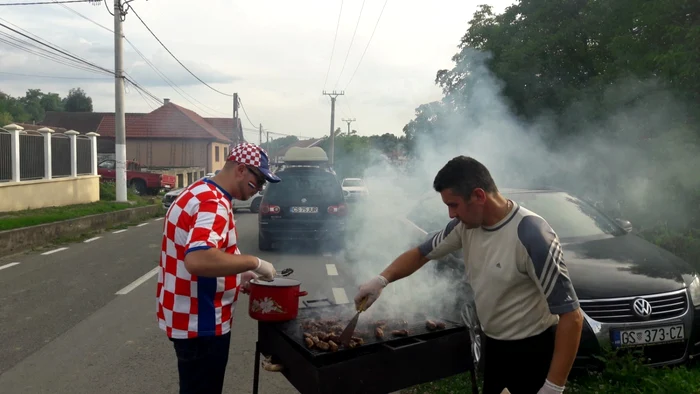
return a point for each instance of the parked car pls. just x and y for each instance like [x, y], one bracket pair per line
[170, 196]
[354, 189]
[634, 294]
[307, 205]
[252, 204]
[142, 181]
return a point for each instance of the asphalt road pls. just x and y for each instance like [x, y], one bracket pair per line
[80, 318]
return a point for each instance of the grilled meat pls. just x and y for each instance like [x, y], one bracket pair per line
[430, 325]
[378, 332]
[333, 346]
[400, 333]
[323, 345]
[309, 342]
[441, 325]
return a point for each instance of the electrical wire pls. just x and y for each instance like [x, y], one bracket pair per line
[334, 41]
[51, 2]
[244, 111]
[359, 17]
[51, 76]
[162, 75]
[368, 42]
[174, 57]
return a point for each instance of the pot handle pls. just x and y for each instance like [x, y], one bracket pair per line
[302, 293]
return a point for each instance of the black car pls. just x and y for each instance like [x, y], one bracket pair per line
[307, 205]
[634, 294]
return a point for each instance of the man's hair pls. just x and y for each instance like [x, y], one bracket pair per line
[463, 174]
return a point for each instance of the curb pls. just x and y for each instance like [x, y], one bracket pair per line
[20, 239]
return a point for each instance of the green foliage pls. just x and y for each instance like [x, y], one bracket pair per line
[34, 105]
[354, 154]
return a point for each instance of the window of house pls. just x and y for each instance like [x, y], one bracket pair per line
[225, 152]
[216, 153]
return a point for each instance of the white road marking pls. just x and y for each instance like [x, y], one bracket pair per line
[138, 281]
[119, 231]
[91, 239]
[340, 296]
[326, 254]
[142, 224]
[332, 270]
[158, 219]
[8, 265]
[53, 251]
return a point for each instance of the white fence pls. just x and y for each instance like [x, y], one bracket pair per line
[45, 154]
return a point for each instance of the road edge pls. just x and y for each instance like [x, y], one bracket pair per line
[19, 239]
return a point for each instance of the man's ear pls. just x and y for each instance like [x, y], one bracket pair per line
[479, 195]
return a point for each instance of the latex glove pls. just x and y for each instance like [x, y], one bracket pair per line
[265, 271]
[246, 277]
[370, 290]
[550, 388]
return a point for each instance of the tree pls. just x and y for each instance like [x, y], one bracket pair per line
[77, 101]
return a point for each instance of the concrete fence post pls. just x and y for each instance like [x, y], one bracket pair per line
[15, 131]
[72, 134]
[93, 149]
[46, 132]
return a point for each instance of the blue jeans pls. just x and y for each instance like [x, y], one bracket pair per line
[201, 363]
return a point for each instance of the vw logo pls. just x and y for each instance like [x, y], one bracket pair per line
[303, 200]
[642, 308]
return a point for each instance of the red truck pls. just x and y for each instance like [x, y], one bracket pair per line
[144, 182]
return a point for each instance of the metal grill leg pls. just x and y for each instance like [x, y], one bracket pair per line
[475, 386]
[256, 373]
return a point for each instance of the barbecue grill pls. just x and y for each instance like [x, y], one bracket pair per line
[378, 366]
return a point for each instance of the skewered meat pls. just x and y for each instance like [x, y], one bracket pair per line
[400, 333]
[378, 332]
[323, 345]
[333, 346]
[309, 342]
[430, 325]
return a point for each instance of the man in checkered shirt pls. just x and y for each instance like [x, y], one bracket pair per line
[202, 270]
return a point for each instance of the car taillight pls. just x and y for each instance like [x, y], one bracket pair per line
[339, 210]
[269, 209]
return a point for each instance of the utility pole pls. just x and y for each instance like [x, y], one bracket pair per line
[260, 139]
[235, 135]
[268, 140]
[333, 96]
[348, 121]
[119, 117]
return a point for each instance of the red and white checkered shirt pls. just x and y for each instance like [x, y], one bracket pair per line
[189, 306]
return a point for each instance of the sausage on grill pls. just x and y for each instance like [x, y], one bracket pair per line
[400, 333]
[430, 325]
[333, 346]
[323, 345]
[378, 332]
[309, 342]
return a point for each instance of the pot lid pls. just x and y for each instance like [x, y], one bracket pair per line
[277, 282]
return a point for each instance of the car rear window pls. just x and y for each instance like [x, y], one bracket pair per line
[312, 185]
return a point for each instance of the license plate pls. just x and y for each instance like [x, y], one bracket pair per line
[648, 336]
[304, 209]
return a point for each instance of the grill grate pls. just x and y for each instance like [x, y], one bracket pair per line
[619, 310]
[418, 332]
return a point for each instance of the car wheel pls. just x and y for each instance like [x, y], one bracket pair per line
[471, 320]
[264, 244]
[255, 205]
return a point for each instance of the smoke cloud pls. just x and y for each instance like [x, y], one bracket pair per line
[637, 160]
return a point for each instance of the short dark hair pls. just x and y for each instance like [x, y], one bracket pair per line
[463, 174]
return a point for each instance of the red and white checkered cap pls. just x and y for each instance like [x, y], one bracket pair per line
[253, 155]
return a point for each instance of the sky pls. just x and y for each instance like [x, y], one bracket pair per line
[275, 54]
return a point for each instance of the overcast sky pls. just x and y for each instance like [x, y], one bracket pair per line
[275, 54]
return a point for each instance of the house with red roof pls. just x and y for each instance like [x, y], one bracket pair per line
[168, 138]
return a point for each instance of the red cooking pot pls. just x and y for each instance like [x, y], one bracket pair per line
[274, 301]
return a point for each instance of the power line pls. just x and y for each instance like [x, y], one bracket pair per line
[174, 57]
[162, 75]
[359, 17]
[334, 41]
[368, 42]
[52, 2]
[51, 76]
[244, 112]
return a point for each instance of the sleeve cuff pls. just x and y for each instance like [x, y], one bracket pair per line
[195, 248]
[566, 308]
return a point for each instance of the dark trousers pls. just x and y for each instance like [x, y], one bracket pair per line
[201, 363]
[521, 365]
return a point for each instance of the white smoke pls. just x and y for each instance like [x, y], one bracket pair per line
[611, 160]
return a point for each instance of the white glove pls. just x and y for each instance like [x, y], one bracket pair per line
[265, 271]
[551, 388]
[370, 290]
[246, 277]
